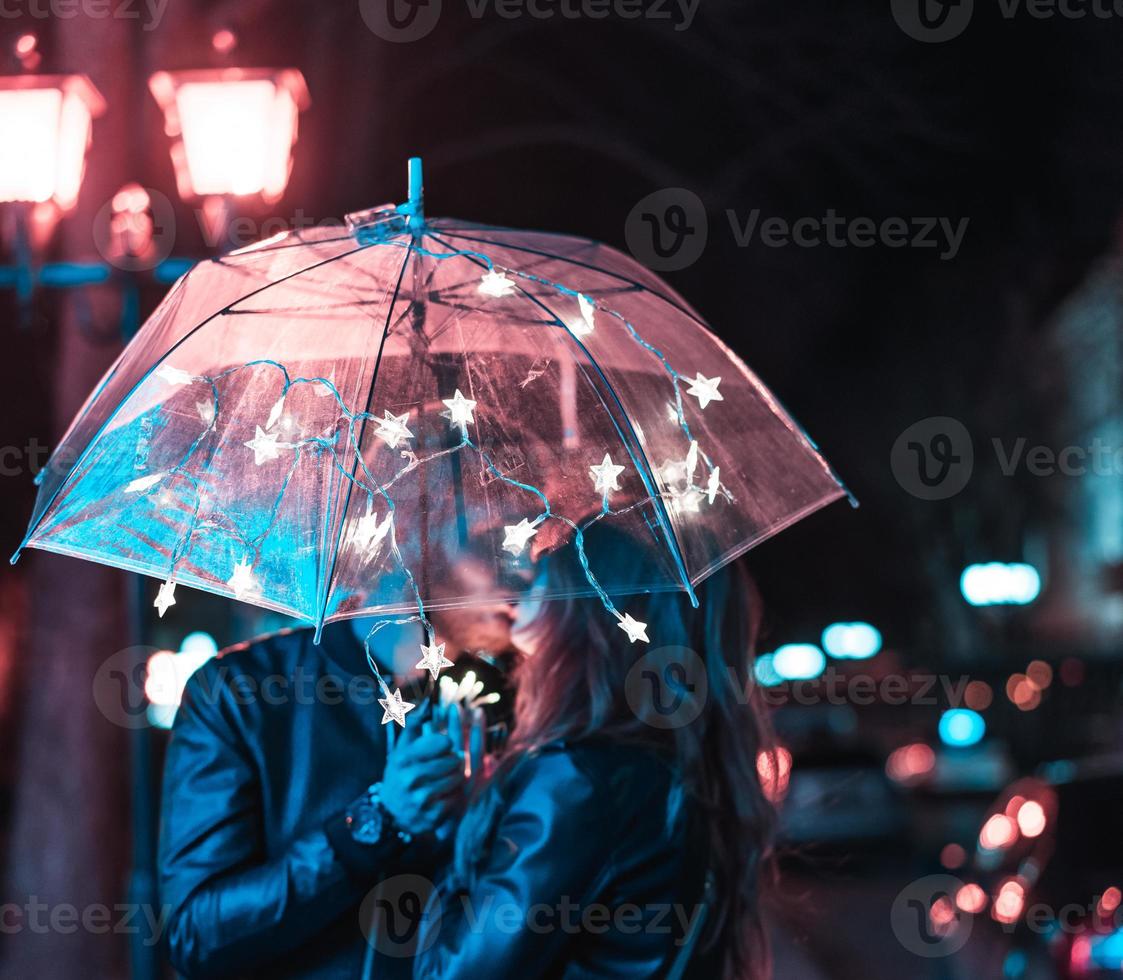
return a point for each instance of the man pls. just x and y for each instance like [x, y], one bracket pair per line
[282, 810]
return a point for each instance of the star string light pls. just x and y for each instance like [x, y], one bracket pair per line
[392, 429]
[605, 475]
[705, 390]
[165, 597]
[460, 411]
[433, 658]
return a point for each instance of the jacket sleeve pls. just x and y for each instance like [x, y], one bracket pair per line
[551, 851]
[232, 907]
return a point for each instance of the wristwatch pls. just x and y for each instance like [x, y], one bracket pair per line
[369, 822]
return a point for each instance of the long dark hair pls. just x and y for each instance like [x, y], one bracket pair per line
[574, 687]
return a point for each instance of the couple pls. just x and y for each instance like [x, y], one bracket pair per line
[602, 841]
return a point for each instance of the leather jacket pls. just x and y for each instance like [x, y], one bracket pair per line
[271, 744]
[596, 868]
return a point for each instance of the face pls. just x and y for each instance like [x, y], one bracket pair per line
[484, 624]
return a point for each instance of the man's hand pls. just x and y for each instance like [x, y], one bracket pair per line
[428, 774]
[424, 780]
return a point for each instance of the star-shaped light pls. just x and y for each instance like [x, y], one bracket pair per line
[264, 446]
[142, 483]
[173, 375]
[705, 390]
[275, 412]
[242, 581]
[516, 536]
[369, 531]
[583, 325]
[205, 408]
[394, 708]
[433, 659]
[605, 475]
[634, 628]
[165, 597]
[392, 429]
[459, 410]
[713, 485]
[672, 412]
[496, 284]
[691, 461]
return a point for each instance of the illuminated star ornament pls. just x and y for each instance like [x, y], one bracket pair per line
[705, 390]
[369, 531]
[174, 376]
[515, 536]
[634, 628]
[165, 597]
[264, 446]
[605, 475]
[242, 581]
[433, 659]
[459, 410]
[496, 284]
[585, 323]
[394, 708]
[713, 485]
[392, 429]
[142, 483]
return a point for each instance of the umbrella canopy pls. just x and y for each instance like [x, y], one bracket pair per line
[322, 423]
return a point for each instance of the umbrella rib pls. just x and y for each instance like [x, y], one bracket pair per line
[323, 603]
[151, 368]
[645, 471]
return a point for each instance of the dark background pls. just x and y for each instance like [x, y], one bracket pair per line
[565, 124]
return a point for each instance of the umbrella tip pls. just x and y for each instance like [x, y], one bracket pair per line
[416, 194]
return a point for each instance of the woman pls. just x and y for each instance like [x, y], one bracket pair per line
[624, 831]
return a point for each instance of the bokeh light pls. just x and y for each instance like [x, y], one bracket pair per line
[799, 661]
[961, 727]
[853, 641]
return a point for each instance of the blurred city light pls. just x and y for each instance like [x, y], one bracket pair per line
[47, 121]
[971, 898]
[235, 129]
[765, 672]
[953, 856]
[1009, 901]
[909, 762]
[168, 673]
[1031, 818]
[961, 727]
[999, 831]
[774, 771]
[998, 583]
[978, 695]
[798, 661]
[854, 641]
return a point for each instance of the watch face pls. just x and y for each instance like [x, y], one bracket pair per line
[366, 821]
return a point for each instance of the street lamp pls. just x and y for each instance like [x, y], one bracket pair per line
[234, 129]
[45, 127]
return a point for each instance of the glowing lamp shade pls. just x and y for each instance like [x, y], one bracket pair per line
[997, 583]
[853, 641]
[961, 727]
[45, 126]
[798, 661]
[234, 129]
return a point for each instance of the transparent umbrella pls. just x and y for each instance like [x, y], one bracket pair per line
[321, 424]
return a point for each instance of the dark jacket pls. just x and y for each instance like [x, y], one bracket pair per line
[591, 871]
[271, 744]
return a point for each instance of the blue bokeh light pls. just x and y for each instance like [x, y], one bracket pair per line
[960, 727]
